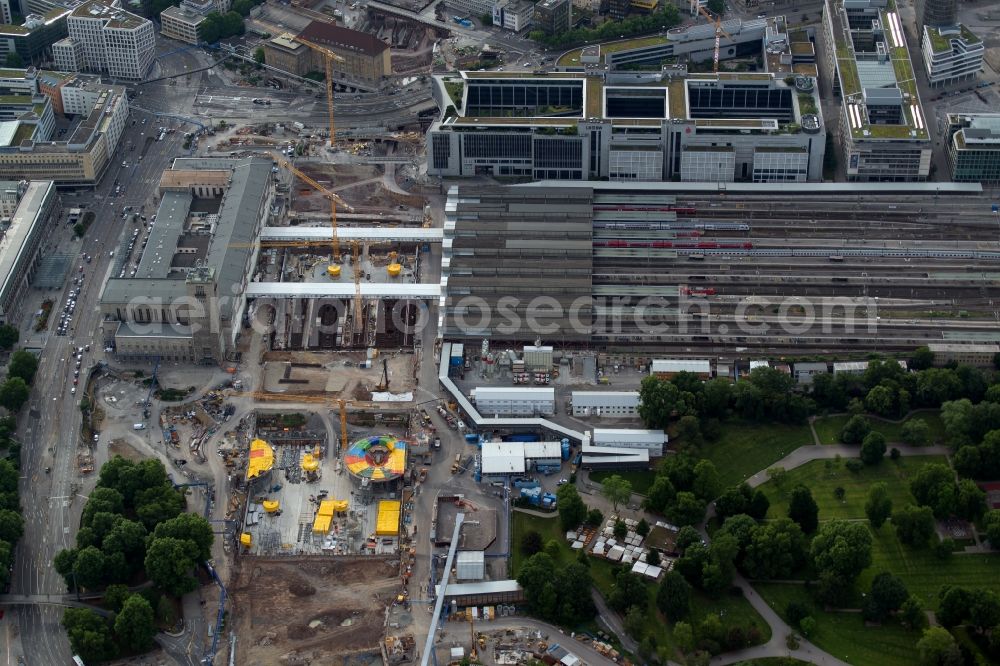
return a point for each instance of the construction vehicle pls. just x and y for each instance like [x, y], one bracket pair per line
[718, 35]
[383, 384]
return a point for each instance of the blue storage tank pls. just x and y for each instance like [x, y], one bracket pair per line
[548, 500]
[472, 438]
[526, 437]
[565, 449]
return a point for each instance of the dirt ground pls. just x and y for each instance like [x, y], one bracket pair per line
[310, 610]
[119, 447]
[333, 376]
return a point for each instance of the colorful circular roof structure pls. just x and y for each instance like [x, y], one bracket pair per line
[378, 458]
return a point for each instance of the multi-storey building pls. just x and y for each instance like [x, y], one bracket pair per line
[23, 234]
[475, 8]
[951, 54]
[112, 40]
[31, 41]
[513, 15]
[627, 126]
[366, 58]
[974, 147]
[885, 135]
[935, 13]
[68, 56]
[553, 16]
[82, 158]
[618, 9]
[181, 22]
[6, 15]
[187, 300]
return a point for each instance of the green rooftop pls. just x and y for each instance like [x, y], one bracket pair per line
[15, 99]
[595, 97]
[636, 43]
[24, 132]
[12, 73]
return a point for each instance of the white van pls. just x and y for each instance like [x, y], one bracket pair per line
[138, 426]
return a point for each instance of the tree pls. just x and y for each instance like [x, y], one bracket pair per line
[89, 635]
[717, 6]
[660, 495]
[914, 525]
[796, 611]
[534, 574]
[855, 430]
[741, 527]
[916, 432]
[912, 615]
[23, 364]
[683, 636]
[887, 596]
[922, 358]
[673, 596]
[115, 597]
[777, 475]
[689, 430]
[134, 625]
[595, 517]
[685, 537]
[992, 526]
[169, 563]
[8, 335]
[873, 448]
[572, 510]
[878, 506]
[88, 568]
[102, 500]
[759, 504]
[735, 500]
[620, 529]
[984, 609]
[552, 548]
[707, 484]
[616, 490]
[14, 393]
[157, 504]
[687, 510]
[842, 548]
[934, 486]
[191, 527]
[653, 557]
[11, 526]
[658, 400]
[938, 648]
[715, 397]
[258, 55]
[531, 543]
[642, 527]
[971, 500]
[635, 620]
[629, 590]
[802, 508]
[776, 550]
[881, 400]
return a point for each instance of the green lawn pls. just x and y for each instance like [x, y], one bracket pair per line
[641, 480]
[823, 476]
[828, 428]
[747, 448]
[923, 573]
[732, 610]
[844, 635]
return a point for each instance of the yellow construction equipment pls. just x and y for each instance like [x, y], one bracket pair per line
[329, 57]
[718, 36]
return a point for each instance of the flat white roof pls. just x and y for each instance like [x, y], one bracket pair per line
[416, 235]
[603, 398]
[600, 452]
[850, 365]
[959, 347]
[615, 435]
[485, 587]
[341, 290]
[465, 556]
[533, 450]
[515, 393]
[699, 365]
[503, 458]
[18, 233]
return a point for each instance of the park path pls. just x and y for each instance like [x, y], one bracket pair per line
[806, 454]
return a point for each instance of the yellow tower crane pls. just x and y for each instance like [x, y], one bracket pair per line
[718, 36]
[334, 268]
